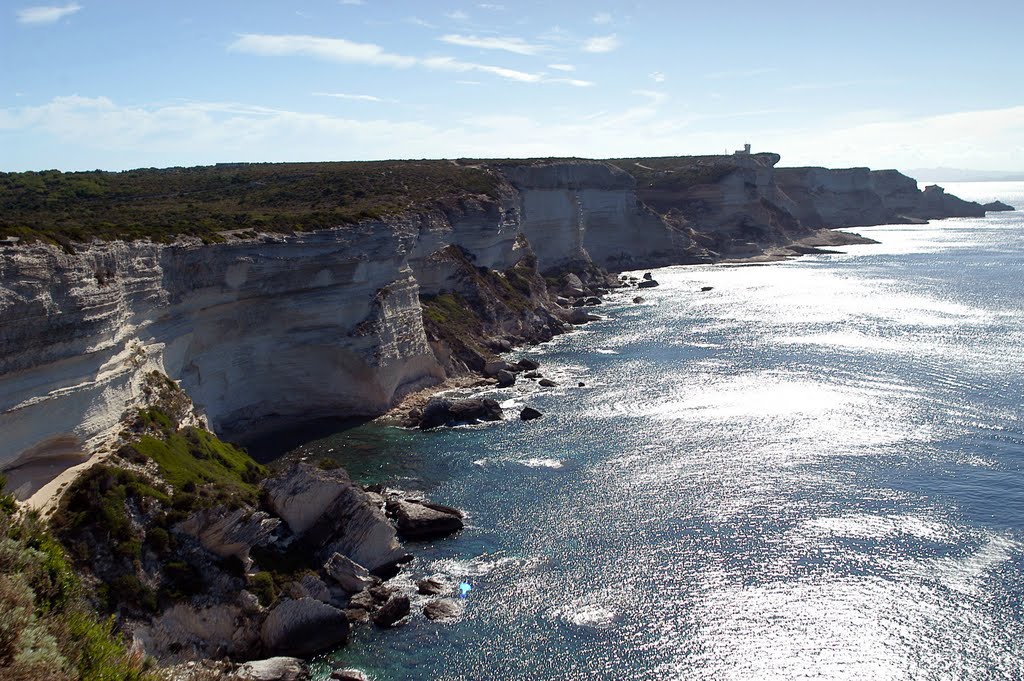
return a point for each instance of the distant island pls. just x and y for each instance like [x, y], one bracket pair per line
[962, 175]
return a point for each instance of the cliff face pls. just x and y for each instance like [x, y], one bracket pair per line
[272, 329]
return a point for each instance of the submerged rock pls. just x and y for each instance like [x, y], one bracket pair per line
[528, 364]
[638, 300]
[529, 413]
[441, 411]
[304, 627]
[424, 520]
[349, 675]
[547, 383]
[706, 288]
[647, 283]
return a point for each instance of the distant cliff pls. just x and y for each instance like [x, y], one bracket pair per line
[270, 326]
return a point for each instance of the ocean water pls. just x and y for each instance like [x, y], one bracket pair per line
[813, 470]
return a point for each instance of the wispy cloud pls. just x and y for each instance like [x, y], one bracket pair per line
[509, 44]
[602, 18]
[450, 64]
[575, 82]
[416, 21]
[826, 85]
[562, 67]
[355, 98]
[492, 7]
[346, 51]
[46, 15]
[457, 15]
[653, 95]
[331, 49]
[658, 77]
[352, 2]
[599, 44]
[741, 73]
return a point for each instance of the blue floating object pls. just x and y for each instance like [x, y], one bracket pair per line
[465, 588]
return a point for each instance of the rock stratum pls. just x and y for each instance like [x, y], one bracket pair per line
[271, 328]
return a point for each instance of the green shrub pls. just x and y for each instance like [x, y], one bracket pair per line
[262, 586]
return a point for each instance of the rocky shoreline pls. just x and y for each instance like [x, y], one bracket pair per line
[128, 357]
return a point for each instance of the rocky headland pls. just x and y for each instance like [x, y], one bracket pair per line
[125, 359]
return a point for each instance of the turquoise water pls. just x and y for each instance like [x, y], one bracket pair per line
[813, 470]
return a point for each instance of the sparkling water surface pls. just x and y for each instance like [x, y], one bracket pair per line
[813, 470]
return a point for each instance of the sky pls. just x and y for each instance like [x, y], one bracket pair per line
[118, 84]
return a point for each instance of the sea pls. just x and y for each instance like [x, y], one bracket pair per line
[813, 470]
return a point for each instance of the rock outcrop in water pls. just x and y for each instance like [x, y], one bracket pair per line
[273, 329]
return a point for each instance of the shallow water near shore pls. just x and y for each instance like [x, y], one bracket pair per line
[812, 470]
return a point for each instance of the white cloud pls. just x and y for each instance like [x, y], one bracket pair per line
[510, 44]
[575, 82]
[492, 7]
[352, 2]
[338, 49]
[355, 98]
[653, 95]
[468, 82]
[46, 15]
[598, 44]
[332, 49]
[450, 64]
[416, 21]
[602, 18]
[562, 67]
[658, 77]
[457, 15]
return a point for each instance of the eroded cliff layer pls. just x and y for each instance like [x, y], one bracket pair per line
[274, 326]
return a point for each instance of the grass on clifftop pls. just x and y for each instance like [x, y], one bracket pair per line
[202, 201]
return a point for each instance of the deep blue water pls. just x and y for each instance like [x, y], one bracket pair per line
[813, 470]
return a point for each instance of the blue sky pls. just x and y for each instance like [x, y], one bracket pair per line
[121, 84]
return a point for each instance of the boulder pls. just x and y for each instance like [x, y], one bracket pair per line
[547, 383]
[391, 612]
[529, 413]
[441, 411]
[532, 374]
[505, 378]
[349, 675]
[648, 276]
[706, 288]
[273, 669]
[590, 302]
[581, 316]
[431, 586]
[638, 300]
[327, 510]
[572, 286]
[442, 609]
[528, 364]
[363, 600]
[303, 627]
[647, 283]
[233, 533]
[314, 587]
[422, 520]
[351, 576]
[494, 366]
